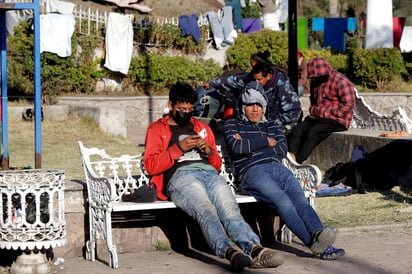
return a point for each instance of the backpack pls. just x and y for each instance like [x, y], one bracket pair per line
[207, 103]
[348, 173]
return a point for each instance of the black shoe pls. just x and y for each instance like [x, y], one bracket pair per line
[239, 260]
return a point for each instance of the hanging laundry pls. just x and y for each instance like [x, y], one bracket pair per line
[236, 14]
[56, 32]
[269, 16]
[58, 6]
[119, 42]
[282, 12]
[189, 26]
[222, 27]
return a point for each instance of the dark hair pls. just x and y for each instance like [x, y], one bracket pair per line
[183, 93]
[261, 57]
[263, 68]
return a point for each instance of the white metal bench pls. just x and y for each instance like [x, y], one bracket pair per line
[109, 178]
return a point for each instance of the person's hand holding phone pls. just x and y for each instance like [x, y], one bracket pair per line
[189, 142]
[204, 147]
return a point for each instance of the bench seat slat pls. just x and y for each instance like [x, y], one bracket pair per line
[131, 206]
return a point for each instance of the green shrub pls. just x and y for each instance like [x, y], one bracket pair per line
[407, 57]
[275, 42]
[76, 73]
[160, 72]
[170, 36]
[252, 10]
[20, 61]
[375, 68]
[338, 61]
[408, 74]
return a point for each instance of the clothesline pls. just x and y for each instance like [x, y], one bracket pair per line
[98, 19]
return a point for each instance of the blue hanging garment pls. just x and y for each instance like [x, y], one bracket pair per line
[189, 26]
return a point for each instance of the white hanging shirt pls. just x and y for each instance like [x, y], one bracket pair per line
[119, 42]
[56, 32]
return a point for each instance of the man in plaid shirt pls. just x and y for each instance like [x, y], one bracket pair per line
[332, 100]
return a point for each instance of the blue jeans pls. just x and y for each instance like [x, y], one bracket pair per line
[275, 184]
[206, 197]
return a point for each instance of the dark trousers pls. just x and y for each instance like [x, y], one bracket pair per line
[308, 134]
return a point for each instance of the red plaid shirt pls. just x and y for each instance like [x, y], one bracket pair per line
[333, 99]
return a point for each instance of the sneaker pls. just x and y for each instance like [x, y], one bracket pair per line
[239, 260]
[323, 239]
[331, 253]
[292, 158]
[267, 258]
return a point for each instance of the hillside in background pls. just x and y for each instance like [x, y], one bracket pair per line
[307, 8]
[163, 8]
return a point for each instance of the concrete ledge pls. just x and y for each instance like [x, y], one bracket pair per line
[53, 112]
[339, 146]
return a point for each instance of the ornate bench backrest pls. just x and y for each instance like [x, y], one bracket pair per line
[227, 171]
[125, 171]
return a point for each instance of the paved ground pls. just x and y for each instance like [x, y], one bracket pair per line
[378, 250]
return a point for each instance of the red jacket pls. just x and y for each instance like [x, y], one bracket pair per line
[159, 157]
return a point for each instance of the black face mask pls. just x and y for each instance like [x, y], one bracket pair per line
[182, 118]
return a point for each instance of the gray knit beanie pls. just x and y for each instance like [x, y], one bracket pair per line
[253, 94]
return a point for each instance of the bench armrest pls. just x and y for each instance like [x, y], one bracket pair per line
[100, 191]
[109, 178]
[308, 175]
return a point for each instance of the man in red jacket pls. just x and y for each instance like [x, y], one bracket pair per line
[182, 158]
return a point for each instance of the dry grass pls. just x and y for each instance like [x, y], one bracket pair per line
[60, 151]
[59, 144]
[374, 208]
